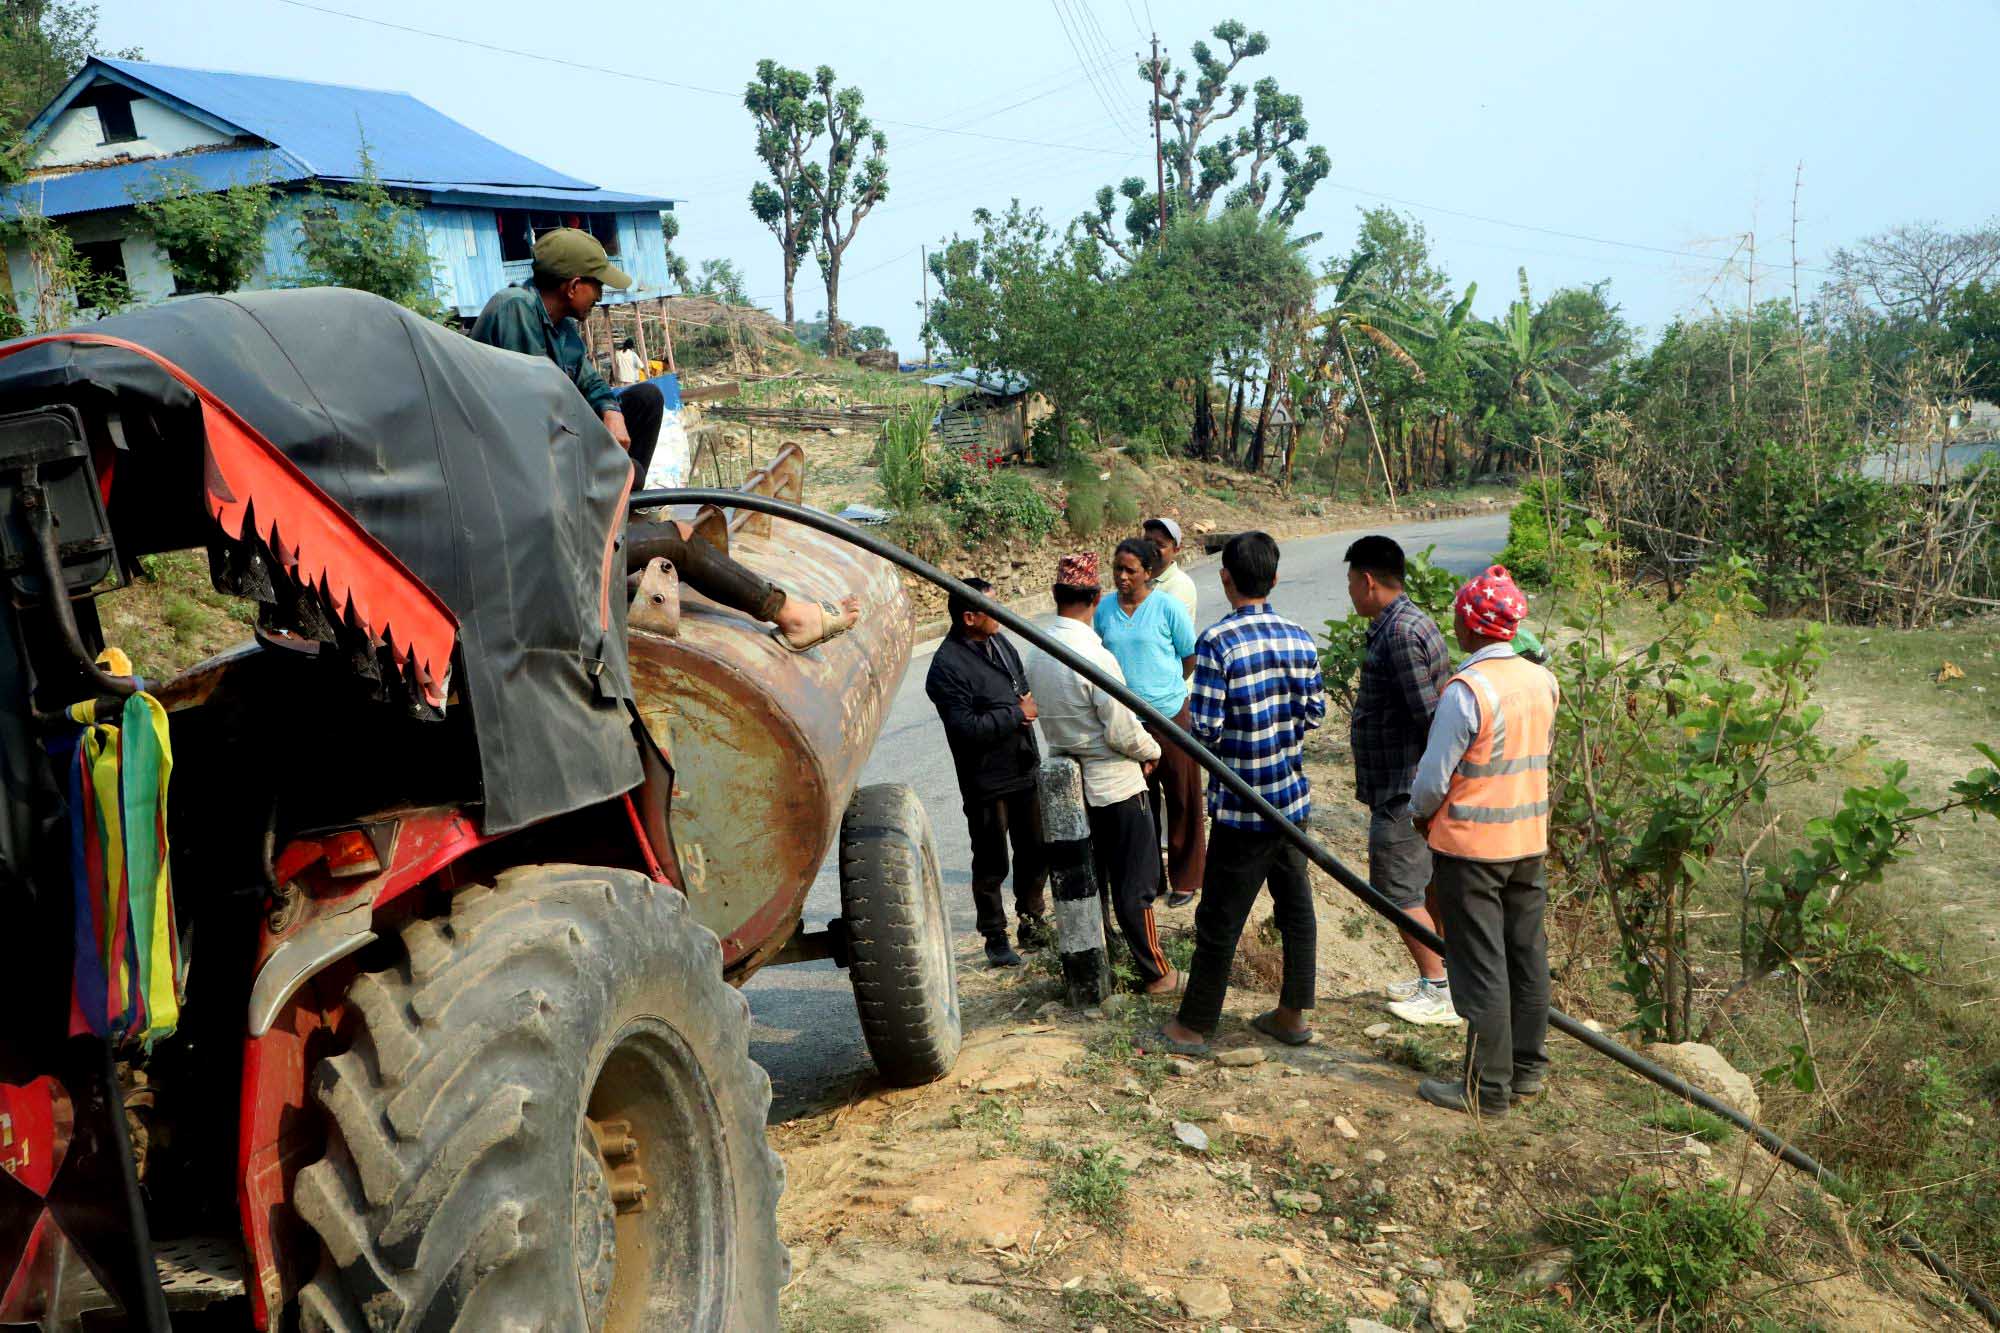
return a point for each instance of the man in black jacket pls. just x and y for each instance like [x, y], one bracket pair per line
[981, 693]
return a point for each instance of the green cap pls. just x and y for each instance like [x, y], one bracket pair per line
[567, 253]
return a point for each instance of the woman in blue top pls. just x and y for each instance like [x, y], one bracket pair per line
[1152, 636]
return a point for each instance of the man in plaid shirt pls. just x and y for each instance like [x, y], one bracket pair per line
[1403, 672]
[1257, 692]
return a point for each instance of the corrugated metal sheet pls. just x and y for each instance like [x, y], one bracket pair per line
[97, 188]
[318, 130]
[999, 383]
[322, 125]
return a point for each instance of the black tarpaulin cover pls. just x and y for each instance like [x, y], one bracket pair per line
[476, 501]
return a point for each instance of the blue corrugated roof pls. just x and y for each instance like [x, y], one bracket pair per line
[323, 124]
[319, 128]
[112, 187]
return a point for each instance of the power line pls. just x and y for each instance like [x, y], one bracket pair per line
[1550, 231]
[1130, 14]
[1085, 62]
[664, 83]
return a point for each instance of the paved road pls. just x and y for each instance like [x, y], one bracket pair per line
[806, 1033]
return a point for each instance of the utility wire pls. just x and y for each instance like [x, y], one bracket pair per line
[666, 83]
[1076, 46]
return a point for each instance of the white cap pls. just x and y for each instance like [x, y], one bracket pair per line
[1173, 528]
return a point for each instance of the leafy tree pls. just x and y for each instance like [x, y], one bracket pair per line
[677, 265]
[1593, 331]
[1202, 162]
[789, 120]
[1524, 352]
[360, 235]
[1103, 348]
[849, 181]
[1973, 323]
[721, 279]
[213, 239]
[42, 45]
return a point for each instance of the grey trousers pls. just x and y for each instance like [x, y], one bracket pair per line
[1497, 957]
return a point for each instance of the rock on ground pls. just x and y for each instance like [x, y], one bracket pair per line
[1704, 1067]
[1205, 1300]
[1451, 1307]
[1240, 1057]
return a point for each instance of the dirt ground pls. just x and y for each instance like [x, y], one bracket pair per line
[1324, 1192]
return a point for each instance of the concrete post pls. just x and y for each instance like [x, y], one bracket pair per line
[1079, 907]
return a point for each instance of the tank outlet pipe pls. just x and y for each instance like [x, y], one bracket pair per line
[1314, 851]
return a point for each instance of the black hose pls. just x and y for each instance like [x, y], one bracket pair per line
[1314, 851]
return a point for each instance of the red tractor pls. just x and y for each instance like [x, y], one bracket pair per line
[380, 973]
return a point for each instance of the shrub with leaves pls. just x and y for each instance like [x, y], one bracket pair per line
[1650, 1250]
[214, 239]
[984, 504]
[362, 236]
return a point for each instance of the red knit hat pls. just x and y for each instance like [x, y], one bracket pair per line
[1492, 606]
[1078, 570]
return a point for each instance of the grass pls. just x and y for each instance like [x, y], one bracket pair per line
[1420, 1054]
[805, 1310]
[1648, 1249]
[1680, 1118]
[1117, 1309]
[1091, 1183]
[997, 1124]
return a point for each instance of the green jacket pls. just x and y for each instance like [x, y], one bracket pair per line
[517, 320]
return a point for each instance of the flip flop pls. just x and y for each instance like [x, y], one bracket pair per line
[1160, 1039]
[1263, 1024]
[833, 623]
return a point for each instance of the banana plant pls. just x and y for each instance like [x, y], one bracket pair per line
[1525, 357]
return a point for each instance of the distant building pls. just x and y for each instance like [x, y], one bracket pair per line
[120, 124]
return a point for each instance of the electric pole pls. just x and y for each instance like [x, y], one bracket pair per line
[1159, 158]
[924, 256]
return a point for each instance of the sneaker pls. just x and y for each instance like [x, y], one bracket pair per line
[1403, 990]
[999, 953]
[1431, 1006]
[1034, 932]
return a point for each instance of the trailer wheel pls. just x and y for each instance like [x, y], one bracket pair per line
[898, 937]
[549, 1119]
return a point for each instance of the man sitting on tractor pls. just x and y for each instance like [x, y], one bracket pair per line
[543, 317]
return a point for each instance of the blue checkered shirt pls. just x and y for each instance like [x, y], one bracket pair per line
[1257, 692]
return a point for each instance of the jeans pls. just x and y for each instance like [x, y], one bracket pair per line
[1240, 863]
[994, 823]
[1497, 957]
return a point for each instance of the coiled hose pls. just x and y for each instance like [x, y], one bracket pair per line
[1314, 851]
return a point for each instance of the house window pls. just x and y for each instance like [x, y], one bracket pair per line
[604, 226]
[517, 237]
[105, 259]
[114, 113]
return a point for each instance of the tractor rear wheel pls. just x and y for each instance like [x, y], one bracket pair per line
[549, 1120]
[898, 936]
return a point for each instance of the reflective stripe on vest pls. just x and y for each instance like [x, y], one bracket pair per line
[1497, 807]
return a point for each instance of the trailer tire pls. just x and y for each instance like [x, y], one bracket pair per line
[470, 1181]
[898, 936]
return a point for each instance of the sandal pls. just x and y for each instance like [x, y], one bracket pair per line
[1159, 1039]
[833, 622]
[1263, 1024]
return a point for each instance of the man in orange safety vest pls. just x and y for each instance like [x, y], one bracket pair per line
[1481, 796]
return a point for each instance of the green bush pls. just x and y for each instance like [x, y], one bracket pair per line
[903, 461]
[1085, 498]
[1648, 1249]
[982, 503]
[1529, 555]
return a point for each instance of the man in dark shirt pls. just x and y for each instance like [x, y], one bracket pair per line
[542, 317]
[1403, 672]
[980, 690]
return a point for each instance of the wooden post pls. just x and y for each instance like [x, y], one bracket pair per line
[1079, 906]
[639, 341]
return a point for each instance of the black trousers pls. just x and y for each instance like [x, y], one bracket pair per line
[1126, 844]
[1240, 863]
[645, 409]
[1497, 957]
[995, 822]
[705, 569]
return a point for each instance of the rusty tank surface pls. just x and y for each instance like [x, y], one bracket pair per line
[768, 745]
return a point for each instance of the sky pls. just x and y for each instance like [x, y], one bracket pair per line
[1585, 141]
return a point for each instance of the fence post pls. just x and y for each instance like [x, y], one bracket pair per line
[1079, 907]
